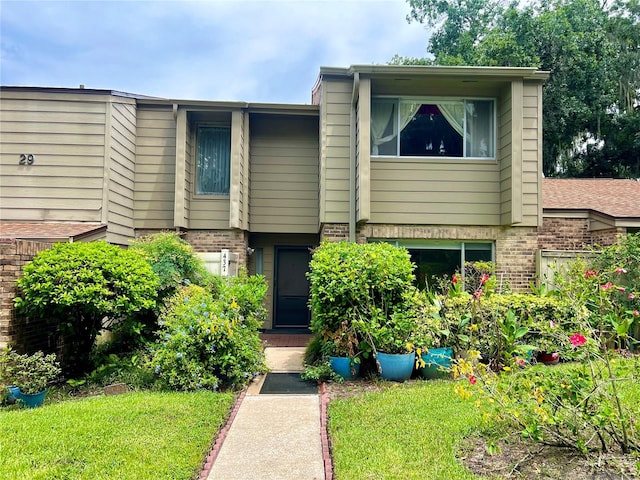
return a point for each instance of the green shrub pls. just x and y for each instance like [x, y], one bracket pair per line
[208, 343]
[76, 285]
[173, 260]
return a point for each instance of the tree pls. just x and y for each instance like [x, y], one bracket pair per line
[592, 51]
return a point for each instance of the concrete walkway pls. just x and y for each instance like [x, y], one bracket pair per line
[273, 437]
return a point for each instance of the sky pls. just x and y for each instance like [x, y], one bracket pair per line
[228, 50]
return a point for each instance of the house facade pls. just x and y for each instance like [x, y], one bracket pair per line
[445, 161]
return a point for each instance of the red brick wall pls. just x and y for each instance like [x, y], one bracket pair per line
[604, 238]
[24, 334]
[564, 234]
[235, 241]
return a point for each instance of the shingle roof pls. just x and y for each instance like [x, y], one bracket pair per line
[33, 230]
[614, 197]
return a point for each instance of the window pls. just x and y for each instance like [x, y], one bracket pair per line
[433, 127]
[434, 260]
[214, 161]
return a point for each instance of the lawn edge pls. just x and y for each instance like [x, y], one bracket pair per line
[324, 433]
[220, 438]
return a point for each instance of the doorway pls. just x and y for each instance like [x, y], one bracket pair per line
[292, 287]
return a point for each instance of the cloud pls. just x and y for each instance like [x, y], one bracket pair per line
[224, 50]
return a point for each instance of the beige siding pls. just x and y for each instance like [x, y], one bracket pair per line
[66, 135]
[155, 167]
[284, 174]
[505, 153]
[532, 155]
[237, 167]
[122, 160]
[335, 132]
[181, 193]
[189, 165]
[363, 152]
[422, 191]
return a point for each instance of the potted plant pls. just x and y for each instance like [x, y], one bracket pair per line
[7, 369]
[32, 374]
[342, 347]
[432, 339]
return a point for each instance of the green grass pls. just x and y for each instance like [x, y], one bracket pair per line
[132, 436]
[407, 431]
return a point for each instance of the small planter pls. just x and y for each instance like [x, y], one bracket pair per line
[13, 393]
[31, 400]
[397, 367]
[548, 358]
[345, 367]
[438, 363]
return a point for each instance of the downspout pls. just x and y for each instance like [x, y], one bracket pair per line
[352, 159]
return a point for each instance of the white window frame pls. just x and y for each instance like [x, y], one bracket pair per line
[433, 101]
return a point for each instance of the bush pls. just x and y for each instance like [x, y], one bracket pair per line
[207, 342]
[77, 285]
[363, 289]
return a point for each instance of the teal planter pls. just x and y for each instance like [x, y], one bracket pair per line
[438, 362]
[397, 367]
[13, 393]
[31, 400]
[344, 367]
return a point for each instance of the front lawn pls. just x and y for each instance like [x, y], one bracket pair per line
[406, 431]
[132, 436]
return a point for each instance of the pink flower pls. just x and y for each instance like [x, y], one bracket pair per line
[520, 362]
[636, 313]
[477, 294]
[454, 278]
[484, 278]
[620, 270]
[606, 286]
[552, 324]
[577, 340]
[631, 296]
[590, 273]
[621, 289]
[472, 380]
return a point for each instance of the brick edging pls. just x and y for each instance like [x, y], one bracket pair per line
[324, 433]
[222, 434]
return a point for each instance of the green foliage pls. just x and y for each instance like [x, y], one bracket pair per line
[592, 50]
[32, 373]
[320, 372]
[132, 370]
[77, 285]
[361, 296]
[206, 342]
[173, 260]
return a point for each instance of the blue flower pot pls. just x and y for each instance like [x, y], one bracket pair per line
[438, 362]
[31, 400]
[397, 367]
[13, 393]
[344, 367]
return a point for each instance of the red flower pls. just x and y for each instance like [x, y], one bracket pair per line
[521, 362]
[577, 340]
[454, 278]
[620, 270]
[484, 278]
[621, 289]
[607, 286]
[590, 273]
[472, 380]
[477, 294]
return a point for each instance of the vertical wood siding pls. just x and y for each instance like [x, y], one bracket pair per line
[155, 167]
[505, 154]
[284, 174]
[122, 172]
[532, 155]
[335, 134]
[66, 135]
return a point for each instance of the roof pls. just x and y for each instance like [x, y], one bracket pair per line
[614, 197]
[49, 231]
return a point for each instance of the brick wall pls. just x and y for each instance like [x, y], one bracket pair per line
[564, 234]
[608, 237]
[24, 334]
[334, 232]
[235, 241]
[516, 256]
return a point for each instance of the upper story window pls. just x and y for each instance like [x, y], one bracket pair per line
[214, 161]
[433, 127]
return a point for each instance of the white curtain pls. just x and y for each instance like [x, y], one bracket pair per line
[407, 112]
[381, 114]
[454, 114]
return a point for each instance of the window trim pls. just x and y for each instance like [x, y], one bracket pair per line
[196, 155]
[431, 100]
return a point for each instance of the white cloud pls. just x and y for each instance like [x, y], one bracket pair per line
[222, 50]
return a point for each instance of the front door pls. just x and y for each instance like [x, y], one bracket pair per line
[292, 287]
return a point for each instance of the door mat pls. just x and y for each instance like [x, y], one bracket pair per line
[287, 383]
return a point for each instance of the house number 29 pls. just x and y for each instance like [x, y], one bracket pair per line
[26, 159]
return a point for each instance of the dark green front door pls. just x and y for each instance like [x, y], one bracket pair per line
[292, 287]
